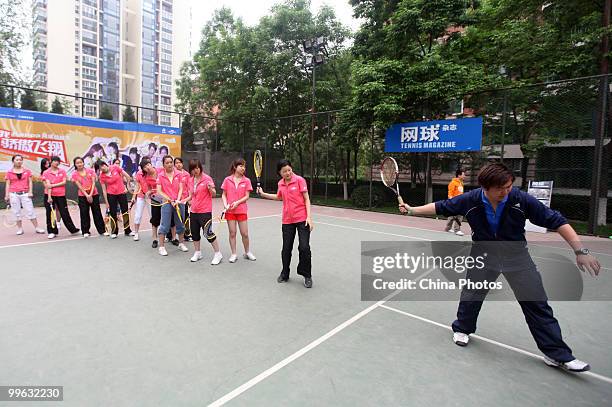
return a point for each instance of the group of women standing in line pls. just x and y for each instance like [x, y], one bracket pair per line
[172, 194]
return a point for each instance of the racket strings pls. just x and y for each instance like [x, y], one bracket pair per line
[388, 172]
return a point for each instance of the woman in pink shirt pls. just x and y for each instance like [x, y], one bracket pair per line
[146, 184]
[179, 165]
[113, 189]
[170, 187]
[55, 183]
[236, 191]
[18, 193]
[201, 191]
[293, 191]
[89, 200]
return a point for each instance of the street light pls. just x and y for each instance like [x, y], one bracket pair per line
[317, 50]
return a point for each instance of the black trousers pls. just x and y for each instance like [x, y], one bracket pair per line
[59, 202]
[197, 223]
[303, 232]
[528, 289]
[84, 209]
[121, 200]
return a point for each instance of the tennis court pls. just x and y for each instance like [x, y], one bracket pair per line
[118, 325]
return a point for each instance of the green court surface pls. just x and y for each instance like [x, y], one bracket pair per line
[116, 324]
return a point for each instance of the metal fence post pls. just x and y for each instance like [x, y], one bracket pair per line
[371, 163]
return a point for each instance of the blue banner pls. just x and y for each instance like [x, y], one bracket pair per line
[435, 136]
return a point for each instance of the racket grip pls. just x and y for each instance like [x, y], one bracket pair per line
[400, 200]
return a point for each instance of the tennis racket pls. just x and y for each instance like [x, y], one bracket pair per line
[8, 217]
[132, 185]
[209, 228]
[109, 223]
[53, 216]
[258, 165]
[73, 208]
[389, 173]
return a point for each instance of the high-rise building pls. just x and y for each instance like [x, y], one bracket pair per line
[127, 51]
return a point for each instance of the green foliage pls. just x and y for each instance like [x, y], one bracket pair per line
[361, 196]
[106, 113]
[57, 107]
[128, 115]
[28, 101]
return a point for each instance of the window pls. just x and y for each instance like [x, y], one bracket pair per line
[166, 47]
[90, 111]
[166, 58]
[89, 37]
[89, 73]
[164, 120]
[90, 86]
[166, 79]
[89, 61]
[90, 12]
[165, 101]
[167, 69]
[87, 50]
[166, 89]
[90, 25]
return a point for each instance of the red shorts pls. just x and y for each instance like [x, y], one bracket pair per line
[240, 217]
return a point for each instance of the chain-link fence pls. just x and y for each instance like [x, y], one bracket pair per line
[556, 131]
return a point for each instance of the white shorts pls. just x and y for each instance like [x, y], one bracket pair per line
[19, 201]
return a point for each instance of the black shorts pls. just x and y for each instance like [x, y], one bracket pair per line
[155, 215]
[197, 222]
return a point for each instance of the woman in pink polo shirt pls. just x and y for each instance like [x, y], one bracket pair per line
[146, 184]
[201, 191]
[236, 191]
[179, 165]
[89, 200]
[55, 183]
[113, 189]
[18, 193]
[293, 191]
[170, 187]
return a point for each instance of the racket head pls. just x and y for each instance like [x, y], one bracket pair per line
[73, 207]
[209, 229]
[8, 217]
[109, 223]
[156, 200]
[257, 163]
[132, 185]
[53, 216]
[389, 171]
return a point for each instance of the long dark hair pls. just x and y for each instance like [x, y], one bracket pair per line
[44, 164]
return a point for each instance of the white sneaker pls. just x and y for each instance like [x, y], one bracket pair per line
[182, 247]
[451, 231]
[249, 256]
[40, 231]
[571, 366]
[459, 233]
[162, 251]
[196, 256]
[166, 240]
[50, 235]
[460, 338]
[106, 234]
[136, 237]
[113, 236]
[86, 235]
[233, 258]
[132, 233]
[19, 231]
[217, 259]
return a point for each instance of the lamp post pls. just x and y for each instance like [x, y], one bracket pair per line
[316, 52]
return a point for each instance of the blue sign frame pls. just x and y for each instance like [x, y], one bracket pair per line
[435, 136]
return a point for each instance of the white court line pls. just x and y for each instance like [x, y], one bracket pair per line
[491, 341]
[373, 231]
[95, 237]
[445, 233]
[263, 375]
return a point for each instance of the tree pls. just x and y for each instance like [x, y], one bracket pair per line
[13, 34]
[28, 101]
[106, 113]
[4, 102]
[128, 115]
[56, 106]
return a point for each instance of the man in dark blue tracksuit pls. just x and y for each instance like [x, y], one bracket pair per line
[497, 213]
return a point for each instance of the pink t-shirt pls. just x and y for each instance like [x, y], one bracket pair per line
[201, 200]
[294, 205]
[87, 182]
[55, 179]
[113, 180]
[235, 192]
[147, 183]
[170, 188]
[19, 185]
[186, 178]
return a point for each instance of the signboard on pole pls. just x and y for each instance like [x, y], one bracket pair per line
[542, 191]
[435, 136]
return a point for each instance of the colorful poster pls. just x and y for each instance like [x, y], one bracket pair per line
[36, 136]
